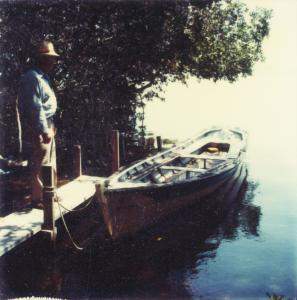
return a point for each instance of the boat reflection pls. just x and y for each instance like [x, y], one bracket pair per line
[153, 264]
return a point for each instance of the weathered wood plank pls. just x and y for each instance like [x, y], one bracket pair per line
[18, 227]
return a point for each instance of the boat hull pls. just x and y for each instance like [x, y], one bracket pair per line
[127, 211]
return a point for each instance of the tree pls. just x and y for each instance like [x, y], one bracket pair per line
[116, 55]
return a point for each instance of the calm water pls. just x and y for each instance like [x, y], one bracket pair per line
[246, 251]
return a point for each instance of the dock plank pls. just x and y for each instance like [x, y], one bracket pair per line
[20, 226]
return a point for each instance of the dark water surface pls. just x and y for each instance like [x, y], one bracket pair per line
[244, 250]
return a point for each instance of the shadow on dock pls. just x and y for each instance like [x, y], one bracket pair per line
[153, 263]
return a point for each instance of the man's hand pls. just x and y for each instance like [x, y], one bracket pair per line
[46, 138]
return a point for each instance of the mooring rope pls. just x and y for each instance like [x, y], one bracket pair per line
[71, 210]
[67, 230]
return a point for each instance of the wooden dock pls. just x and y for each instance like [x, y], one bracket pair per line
[20, 226]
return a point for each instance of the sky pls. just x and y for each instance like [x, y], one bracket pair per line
[264, 104]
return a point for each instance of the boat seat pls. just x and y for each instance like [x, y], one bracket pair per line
[196, 156]
[182, 169]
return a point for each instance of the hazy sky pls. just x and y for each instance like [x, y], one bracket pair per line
[264, 104]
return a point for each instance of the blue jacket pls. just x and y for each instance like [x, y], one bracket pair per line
[37, 101]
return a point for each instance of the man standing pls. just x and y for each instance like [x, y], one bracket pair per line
[37, 106]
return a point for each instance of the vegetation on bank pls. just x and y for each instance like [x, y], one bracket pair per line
[116, 55]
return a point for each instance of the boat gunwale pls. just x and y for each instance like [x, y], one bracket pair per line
[114, 178]
[117, 174]
[169, 184]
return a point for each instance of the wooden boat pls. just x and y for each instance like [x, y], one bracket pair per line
[146, 192]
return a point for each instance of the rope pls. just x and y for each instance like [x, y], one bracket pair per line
[19, 126]
[76, 246]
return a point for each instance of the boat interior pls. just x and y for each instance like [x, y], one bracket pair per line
[178, 166]
[195, 158]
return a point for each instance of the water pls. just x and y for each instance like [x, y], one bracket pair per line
[246, 251]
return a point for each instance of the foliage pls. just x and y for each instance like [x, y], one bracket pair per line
[116, 55]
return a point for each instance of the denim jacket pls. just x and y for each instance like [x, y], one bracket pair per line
[36, 101]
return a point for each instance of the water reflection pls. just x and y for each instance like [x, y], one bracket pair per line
[155, 264]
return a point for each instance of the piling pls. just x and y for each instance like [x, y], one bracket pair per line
[159, 143]
[204, 163]
[100, 189]
[115, 165]
[49, 229]
[122, 148]
[77, 165]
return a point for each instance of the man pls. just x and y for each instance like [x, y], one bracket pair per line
[37, 106]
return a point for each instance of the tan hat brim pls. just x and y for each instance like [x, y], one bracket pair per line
[49, 54]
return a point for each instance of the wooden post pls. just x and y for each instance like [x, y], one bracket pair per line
[99, 191]
[159, 143]
[122, 148]
[204, 163]
[77, 169]
[48, 227]
[100, 188]
[115, 165]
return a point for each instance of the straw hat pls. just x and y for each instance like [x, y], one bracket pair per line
[46, 48]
